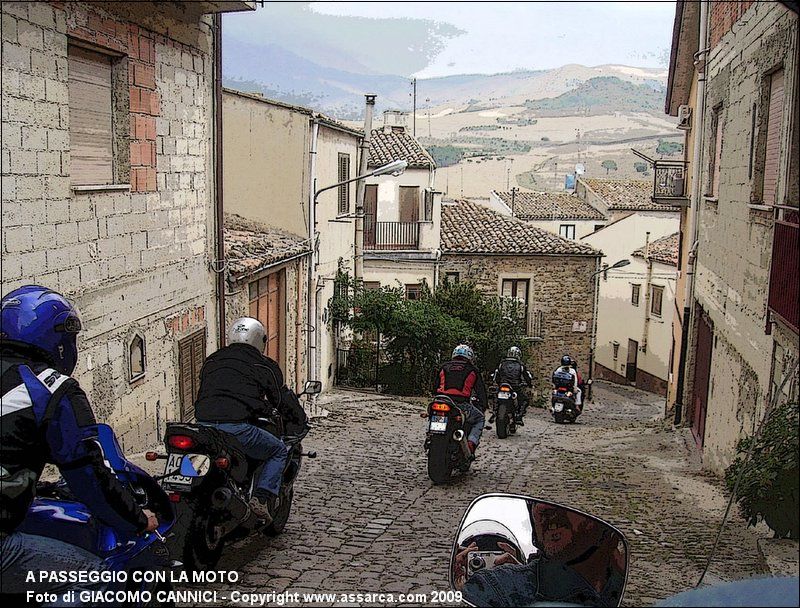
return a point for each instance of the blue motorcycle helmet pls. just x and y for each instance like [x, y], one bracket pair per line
[38, 318]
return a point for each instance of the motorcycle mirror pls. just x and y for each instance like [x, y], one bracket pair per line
[312, 387]
[567, 556]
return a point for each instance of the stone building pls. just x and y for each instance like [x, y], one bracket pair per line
[402, 213]
[108, 191]
[549, 275]
[742, 282]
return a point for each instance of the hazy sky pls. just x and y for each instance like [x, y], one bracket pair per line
[504, 36]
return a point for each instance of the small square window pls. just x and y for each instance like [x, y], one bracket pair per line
[413, 291]
[567, 231]
[452, 277]
[136, 358]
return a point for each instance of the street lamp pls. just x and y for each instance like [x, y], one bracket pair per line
[593, 345]
[396, 168]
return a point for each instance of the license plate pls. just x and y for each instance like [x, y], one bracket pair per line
[438, 424]
[181, 469]
[558, 407]
[504, 395]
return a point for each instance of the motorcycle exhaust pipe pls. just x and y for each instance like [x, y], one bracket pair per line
[461, 438]
[223, 499]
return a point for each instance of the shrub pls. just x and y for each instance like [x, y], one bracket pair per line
[768, 489]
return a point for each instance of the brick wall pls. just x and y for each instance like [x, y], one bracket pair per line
[559, 287]
[723, 17]
[131, 258]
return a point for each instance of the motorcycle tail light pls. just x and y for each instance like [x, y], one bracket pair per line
[181, 442]
[174, 497]
[151, 456]
[222, 462]
[440, 407]
[505, 389]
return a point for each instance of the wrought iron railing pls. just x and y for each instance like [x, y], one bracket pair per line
[783, 278]
[390, 235]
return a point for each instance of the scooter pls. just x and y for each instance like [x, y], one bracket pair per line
[56, 513]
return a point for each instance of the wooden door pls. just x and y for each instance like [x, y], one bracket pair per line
[409, 204]
[266, 305]
[191, 356]
[702, 374]
[370, 214]
[633, 358]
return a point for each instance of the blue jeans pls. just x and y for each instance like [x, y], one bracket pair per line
[261, 445]
[22, 553]
[475, 417]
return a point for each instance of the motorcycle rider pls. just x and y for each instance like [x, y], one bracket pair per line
[46, 418]
[238, 385]
[512, 370]
[567, 367]
[459, 379]
[581, 383]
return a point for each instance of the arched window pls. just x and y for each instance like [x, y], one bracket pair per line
[136, 358]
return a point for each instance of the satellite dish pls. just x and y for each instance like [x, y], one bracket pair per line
[580, 169]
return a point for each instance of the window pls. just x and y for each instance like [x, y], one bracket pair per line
[615, 348]
[427, 211]
[712, 188]
[452, 277]
[567, 231]
[536, 325]
[409, 204]
[772, 158]
[518, 290]
[344, 190]
[191, 355]
[656, 297]
[91, 129]
[413, 291]
[635, 290]
[136, 359]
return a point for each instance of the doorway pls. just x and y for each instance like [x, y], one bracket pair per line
[633, 357]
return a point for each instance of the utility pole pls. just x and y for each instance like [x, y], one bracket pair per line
[361, 190]
[414, 107]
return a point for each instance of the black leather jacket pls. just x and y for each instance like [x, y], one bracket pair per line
[513, 372]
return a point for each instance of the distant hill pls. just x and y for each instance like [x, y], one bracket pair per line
[603, 95]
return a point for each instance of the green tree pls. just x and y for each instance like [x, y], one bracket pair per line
[609, 165]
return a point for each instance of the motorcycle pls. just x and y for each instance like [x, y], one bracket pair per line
[446, 439]
[505, 413]
[562, 405]
[56, 513]
[210, 481]
[520, 551]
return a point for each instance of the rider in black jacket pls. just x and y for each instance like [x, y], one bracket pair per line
[239, 384]
[46, 418]
[512, 370]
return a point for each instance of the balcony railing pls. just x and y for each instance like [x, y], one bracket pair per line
[783, 277]
[669, 182]
[390, 236]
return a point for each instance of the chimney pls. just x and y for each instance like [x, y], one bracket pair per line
[394, 120]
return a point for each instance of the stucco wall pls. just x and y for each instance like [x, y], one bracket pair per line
[562, 302]
[134, 260]
[265, 174]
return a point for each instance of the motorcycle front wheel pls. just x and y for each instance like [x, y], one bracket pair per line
[439, 459]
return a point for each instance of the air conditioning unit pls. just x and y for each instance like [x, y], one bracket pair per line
[684, 117]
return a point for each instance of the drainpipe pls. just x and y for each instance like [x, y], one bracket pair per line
[361, 190]
[691, 217]
[593, 344]
[218, 198]
[647, 295]
[312, 325]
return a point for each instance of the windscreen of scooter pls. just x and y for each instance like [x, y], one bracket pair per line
[519, 551]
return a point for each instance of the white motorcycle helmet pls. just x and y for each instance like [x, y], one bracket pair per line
[247, 330]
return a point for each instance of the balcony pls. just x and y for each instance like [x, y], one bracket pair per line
[669, 183]
[783, 277]
[390, 236]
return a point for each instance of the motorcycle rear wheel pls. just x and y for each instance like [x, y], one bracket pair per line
[558, 417]
[502, 421]
[439, 459]
[281, 516]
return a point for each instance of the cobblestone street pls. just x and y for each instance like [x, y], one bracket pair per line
[367, 519]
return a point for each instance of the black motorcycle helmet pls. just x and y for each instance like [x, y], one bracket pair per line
[566, 361]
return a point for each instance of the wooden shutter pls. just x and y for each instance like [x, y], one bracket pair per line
[370, 213]
[409, 204]
[717, 153]
[90, 119]
[774, 128]
[344, 191]
[191, 355]
[266, 305]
